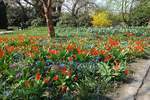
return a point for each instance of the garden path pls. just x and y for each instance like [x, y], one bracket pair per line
[144, 91]
[5, 32]
[138, 87]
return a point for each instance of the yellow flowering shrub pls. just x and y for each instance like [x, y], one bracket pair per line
[101, 19]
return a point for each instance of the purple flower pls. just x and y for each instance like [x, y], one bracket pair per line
[18, 75]
[12, 65]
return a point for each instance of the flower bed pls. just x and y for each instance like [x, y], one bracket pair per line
[34, 67]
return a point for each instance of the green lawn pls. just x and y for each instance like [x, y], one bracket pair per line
[81, 31]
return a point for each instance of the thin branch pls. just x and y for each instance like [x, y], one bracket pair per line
[70, 10]
[30, 3]
[85, 4]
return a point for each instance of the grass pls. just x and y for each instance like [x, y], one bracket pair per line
[81, 31]
[29, 31]
[40, 31]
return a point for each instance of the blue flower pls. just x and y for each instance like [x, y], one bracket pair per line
[61, 65]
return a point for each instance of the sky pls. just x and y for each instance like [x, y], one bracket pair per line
[101, 2]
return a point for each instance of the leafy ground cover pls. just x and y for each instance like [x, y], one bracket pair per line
[82, 31]
[34, 67]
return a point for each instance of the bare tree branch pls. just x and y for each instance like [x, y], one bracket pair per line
[30, 3]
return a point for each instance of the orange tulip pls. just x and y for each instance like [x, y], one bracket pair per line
[94, 52]
[113, 43]
[70, 47]
[103, 52]
[10, 49]
[1, 53]
[35, 48]
[139, 48]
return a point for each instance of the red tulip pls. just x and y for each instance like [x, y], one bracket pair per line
[75, 78]
[70, 59]
[74, 56]
[53, 52]
[55, 78]
[107, 58]
[79, 50]
[126, 72]
[38, 76]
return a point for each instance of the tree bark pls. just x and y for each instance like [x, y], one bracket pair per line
[51, 31]
[48, 16]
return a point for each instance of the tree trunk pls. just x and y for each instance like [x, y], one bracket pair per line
[3, 16]
[51, 31]
[123, 11]
[48, 16]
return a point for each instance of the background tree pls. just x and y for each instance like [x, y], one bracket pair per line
[123, 8]
[3, 15]
[38, 4]
[32, 10]
[78, 11]
[141, 13]
[47, 4]
[18, 12]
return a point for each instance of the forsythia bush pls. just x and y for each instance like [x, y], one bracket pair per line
[101, 19]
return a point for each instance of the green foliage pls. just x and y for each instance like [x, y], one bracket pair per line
[16, 16]
[141, 14]
[37, 22]
[116, 19]
[92, 80]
